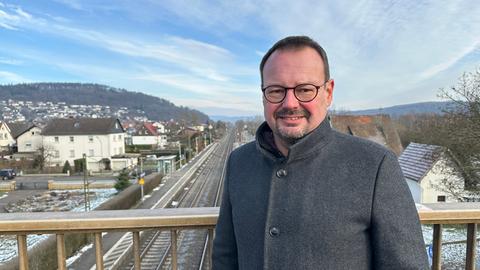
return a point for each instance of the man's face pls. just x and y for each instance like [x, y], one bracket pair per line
[291, 119]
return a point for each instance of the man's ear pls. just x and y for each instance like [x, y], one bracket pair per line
[329, 88]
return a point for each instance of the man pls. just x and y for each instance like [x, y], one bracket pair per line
[303, 196]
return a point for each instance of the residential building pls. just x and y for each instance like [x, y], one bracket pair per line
[10, 132]
[30, 140]
[377, 128]
[147, 134]
[430, 174]
[99, 139]
[6, 139]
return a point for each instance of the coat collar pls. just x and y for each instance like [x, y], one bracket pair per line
[306, 146]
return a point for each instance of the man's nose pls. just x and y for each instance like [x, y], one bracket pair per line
[290, 100]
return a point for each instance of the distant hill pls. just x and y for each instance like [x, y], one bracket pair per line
[233, 119]
[393, 111]
[95, 94]
[413, 108]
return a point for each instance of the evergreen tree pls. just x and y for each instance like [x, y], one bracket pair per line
[123, 181]
[66, 167]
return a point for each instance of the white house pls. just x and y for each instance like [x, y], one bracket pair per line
[160, 127]
[99, 139]
[148, 134]
[25, 136]
[428, 170]
[30, 140]
[6, 139]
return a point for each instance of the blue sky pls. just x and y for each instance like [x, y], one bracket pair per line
[205, 54]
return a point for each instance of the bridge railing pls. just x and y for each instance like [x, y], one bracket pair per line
[441, 214]
[98, 222]
[134, 221]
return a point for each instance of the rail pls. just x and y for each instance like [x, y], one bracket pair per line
[452, 213]
[134, 221]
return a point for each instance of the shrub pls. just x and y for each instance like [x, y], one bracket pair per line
[66, 167]
[123, 181]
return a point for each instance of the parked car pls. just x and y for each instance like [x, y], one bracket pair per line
[7, 174]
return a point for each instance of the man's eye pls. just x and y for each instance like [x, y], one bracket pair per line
[304, 90]
[276, 91]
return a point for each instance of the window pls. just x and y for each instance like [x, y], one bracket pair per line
[56, 139]
[72, 153]
[91, 153]
[90, 138]
[120, 150]
[72, 139]
[56, 154]
[119, 137]
[441, 198]
[33, 132]
[28, 144]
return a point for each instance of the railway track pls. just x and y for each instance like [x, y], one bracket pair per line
[200, 187]
[191, 244]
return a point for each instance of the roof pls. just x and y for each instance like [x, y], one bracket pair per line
[18, 128]
[418, 159]
[82, 126]
[377, 128]
[151, 129]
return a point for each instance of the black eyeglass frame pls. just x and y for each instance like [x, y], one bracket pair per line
[317, 87]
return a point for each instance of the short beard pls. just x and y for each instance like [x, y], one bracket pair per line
[287, 137]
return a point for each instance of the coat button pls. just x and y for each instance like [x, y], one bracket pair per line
[274, 231]
[281, 173]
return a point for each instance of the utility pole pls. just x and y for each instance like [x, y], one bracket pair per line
[85, 184]
[189, 145]
[210, 134]
[196, 145]
[141, 181]
[180, 153]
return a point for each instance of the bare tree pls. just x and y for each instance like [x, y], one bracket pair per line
[463, 126]
[44, 155]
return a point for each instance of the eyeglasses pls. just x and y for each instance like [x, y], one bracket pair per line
[302, 92]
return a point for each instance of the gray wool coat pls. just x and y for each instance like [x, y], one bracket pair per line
[335, 202]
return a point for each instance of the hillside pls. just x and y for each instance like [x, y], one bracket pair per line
[94, 94]
[413, 108]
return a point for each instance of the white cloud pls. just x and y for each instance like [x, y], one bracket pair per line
[380, 51]
[7, 26]
[434, 70]
[10, 77]
[8, 61]
[74, 4]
